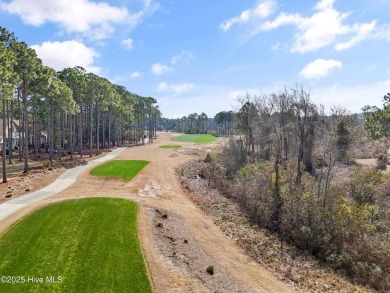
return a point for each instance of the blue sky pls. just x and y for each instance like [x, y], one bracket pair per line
[200, 55]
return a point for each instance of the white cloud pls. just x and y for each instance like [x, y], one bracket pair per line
[283, 19]
[60, 55]
[176, 88]
[263, 10]
[319, 68]
[128, 43]
[185, 56]
[136, 74]
[242, 18]
[159, 69]
[324, 4]
[95, 20]
[363, 30]
[322, 29]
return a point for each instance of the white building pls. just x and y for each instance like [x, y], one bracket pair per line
[16, 133]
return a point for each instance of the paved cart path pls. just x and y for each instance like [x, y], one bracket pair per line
[66, 180]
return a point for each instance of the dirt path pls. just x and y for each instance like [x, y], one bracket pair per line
[178, 240]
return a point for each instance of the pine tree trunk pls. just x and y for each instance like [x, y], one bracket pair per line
[109, 128]
[35, 133]
[90, 130]
[4, 143]
[97, 131]
[71, 124]
[9, 118]
[50, 131]
[81, 132]
[25, 126]
[104, 129]
[62, 153]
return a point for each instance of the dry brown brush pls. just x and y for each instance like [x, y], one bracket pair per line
[347, 227]
[283, 172]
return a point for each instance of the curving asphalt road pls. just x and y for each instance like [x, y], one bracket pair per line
[61, 183]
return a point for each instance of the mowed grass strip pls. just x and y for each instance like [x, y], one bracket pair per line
[170, 146]
[196, 138]
[92, 244]
[126, 169]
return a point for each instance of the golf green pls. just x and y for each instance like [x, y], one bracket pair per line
[196, 138]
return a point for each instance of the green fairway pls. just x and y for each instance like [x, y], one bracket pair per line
[196, 138]
[170, 146]
[119, 169]
[86, 245]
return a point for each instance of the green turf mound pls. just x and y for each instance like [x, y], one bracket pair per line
[86, 245]
[170, 146]
[119, 169]
[196, 138]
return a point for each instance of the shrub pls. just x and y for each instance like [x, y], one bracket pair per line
[208, 159]
[210, 270]
[50, 165]
[363, 184]
[381, 161]
[9, 193]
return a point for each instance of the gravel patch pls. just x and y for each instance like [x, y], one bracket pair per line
[151, 189]
[184, 255]
[187, 151]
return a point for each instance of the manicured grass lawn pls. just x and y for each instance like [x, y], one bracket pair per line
[92, 244]
[170, 146]
[196, 138]
[119, 169]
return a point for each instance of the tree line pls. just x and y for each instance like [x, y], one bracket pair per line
[78, 111]
[291, 167]
[221, 124]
